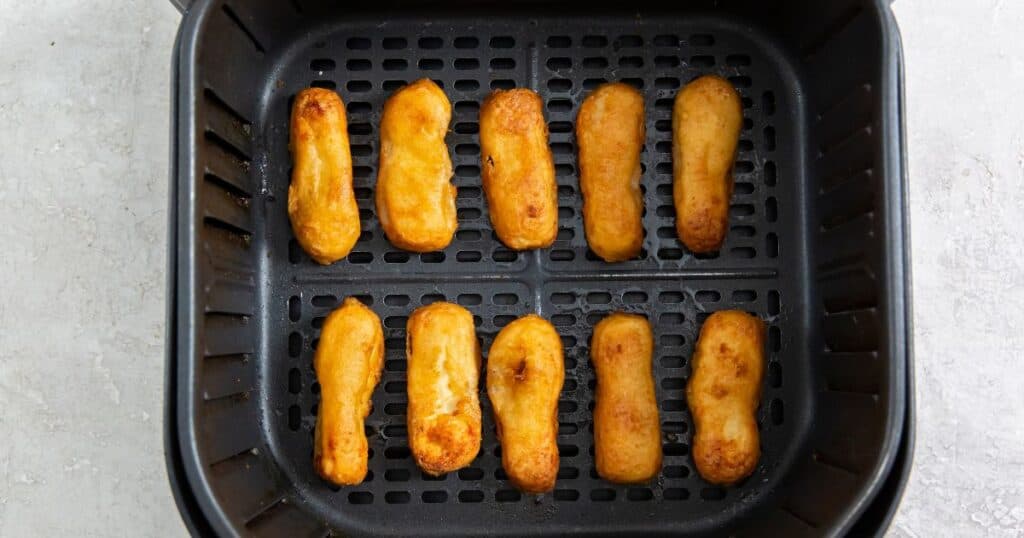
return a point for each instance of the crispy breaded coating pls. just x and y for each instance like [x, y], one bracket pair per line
[321, 203]
[518, 170]
[706, 120]
[443, 378]
[525, 371]
[348, 364]
[610, 135]
[415, 195]
[627, 430]
[723, 394]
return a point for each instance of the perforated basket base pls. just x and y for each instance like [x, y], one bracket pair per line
[762, 267]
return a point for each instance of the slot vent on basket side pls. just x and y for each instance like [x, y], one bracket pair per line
[233, 16]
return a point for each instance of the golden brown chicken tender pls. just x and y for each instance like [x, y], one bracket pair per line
[723, 394]
[524, 377]
[321, 203]
[348, 364]
[610, 134]
[518, 171]
[627, 431]
[706, 120]
[415, 196]
[443, 378]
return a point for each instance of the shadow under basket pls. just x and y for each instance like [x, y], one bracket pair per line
[816, 247]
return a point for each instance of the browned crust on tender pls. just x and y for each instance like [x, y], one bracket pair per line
[348, 364]
[321, 203]
[517, 169]
[627, 430]
[610, 136]
[443, 378]
[723, 394]
[414, 195]
[525, 372]
[706, 120]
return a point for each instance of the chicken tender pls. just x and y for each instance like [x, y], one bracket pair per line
[518, 171]
[706, 120]
[443, 379]
[415, 195]
[723, 394]
[627, 430]
[525, 371]
[348, 364]
[610, 134]
[321, 203]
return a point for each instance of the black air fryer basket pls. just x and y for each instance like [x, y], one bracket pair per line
[817, 248]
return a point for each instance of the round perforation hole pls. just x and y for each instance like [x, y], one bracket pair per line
[469, 299]
[676, 494]
[467, 85]
[566, 495]
[397, 497]
[395, 64]
[503, 63]
[774, 375]
[559, 85]
[471, 496]
[397, 452]
[672, 361]
[559, 63]
[671, 340]
[431, 64]
[360, 497]
[776, 411]
[666, 62]
[502, 42]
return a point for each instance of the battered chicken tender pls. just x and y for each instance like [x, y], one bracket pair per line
[706, 120]
[627, 431]
[443, 378]
[610, 134]
[518, 171]
[415, 196]
[723, 394]
[524, 377]
[348, 364]
[321, 203]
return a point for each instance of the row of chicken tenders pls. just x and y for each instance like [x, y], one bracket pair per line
[524, 377]
[415, 199]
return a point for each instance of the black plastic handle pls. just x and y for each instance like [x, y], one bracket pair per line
[182, 5]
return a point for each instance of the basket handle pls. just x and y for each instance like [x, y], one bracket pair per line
[182, 5]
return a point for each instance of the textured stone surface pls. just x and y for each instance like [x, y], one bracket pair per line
[965, 124]
[83, 164]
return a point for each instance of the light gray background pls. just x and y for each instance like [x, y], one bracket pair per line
[84, 89]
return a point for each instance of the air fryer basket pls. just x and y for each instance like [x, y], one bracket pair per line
[816, 248]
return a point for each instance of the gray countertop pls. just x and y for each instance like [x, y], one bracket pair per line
[84, 89]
